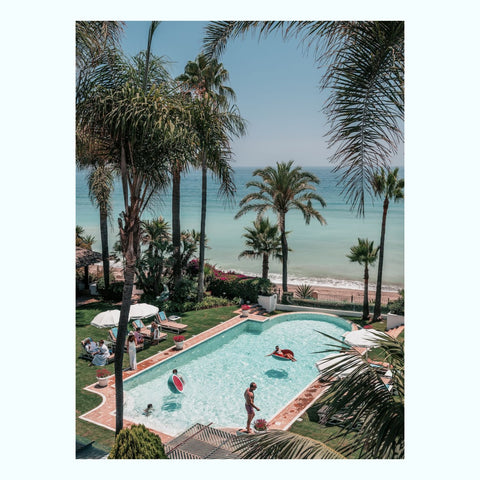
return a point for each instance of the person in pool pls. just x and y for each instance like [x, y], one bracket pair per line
[148, 410]
[250, 405]
[277, 351]
[175, 372]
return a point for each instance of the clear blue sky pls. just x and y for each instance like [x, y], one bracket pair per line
[276, 85]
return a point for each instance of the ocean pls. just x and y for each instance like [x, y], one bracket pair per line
[318, 255]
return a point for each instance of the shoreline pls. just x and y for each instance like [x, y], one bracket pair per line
[333, 293]
[344, 294]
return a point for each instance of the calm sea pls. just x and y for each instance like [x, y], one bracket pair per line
[319, 252]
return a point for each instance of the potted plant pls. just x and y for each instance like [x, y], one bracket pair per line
[266, 298]
[178, 339]
[260, 425]
[102, 377]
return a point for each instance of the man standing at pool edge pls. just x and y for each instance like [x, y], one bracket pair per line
[249, 405]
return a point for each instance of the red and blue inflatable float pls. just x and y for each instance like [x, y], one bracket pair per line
[284, 355]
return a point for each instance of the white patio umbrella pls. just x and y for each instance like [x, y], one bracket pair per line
[142, 310]
[106, 319]
[331, 360]
[362, 338]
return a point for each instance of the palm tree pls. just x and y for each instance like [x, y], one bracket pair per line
[82, 240]
[282, 189]
[178, 165]
[153, 231]
[100, 187]
[155, 234]
[365, 254]
[130, 104]
[364, 71]
[79, 234]
[93, 38]
[213, 119]
[374, 415]
[386, 184]
[264, 242]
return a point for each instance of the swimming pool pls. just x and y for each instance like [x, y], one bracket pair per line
[218, 371]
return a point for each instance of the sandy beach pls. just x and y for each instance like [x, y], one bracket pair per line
[343, 294]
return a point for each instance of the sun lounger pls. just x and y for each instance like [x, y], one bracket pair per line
[146, 332]
[341, 418]
[169, 324]
[113, 337]
[85, 353]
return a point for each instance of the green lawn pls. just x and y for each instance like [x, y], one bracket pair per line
[309, 427]
[197, 322]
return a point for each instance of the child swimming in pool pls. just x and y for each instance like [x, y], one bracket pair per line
[148, 410]
[175, 372]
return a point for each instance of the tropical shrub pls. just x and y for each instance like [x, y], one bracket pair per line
[178, 338]
[212, 302]
[136, 443]
[114, 293]
[304, 291]
[185, 290]
[171, 306]
[245, 288]
[101, 281]
[398, 306]
[192, 268]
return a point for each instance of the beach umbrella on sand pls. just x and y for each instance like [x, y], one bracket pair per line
[142, 310]
[106, 319]
[362, 338]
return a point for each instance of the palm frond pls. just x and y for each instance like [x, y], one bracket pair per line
[277, 444]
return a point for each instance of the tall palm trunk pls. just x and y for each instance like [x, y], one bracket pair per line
[129, 274]
[104, 239]
[130, 235]
[283, 237]
[265, 266]
[176, 231]
[378, 292]
[130, 239]
[201, 260]
[366, 312]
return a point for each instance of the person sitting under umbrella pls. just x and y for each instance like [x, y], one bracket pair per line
[100, 357]
[90, 345]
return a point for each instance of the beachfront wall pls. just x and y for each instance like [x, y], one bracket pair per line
[298, 308]
[394, 320]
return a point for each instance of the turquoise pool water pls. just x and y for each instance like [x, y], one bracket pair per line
[218, 371]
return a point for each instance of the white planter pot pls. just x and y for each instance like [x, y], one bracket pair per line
[269, 303]
[103, 382]
[178, 345]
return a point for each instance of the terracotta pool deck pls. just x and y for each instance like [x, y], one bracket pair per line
[104, 414]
